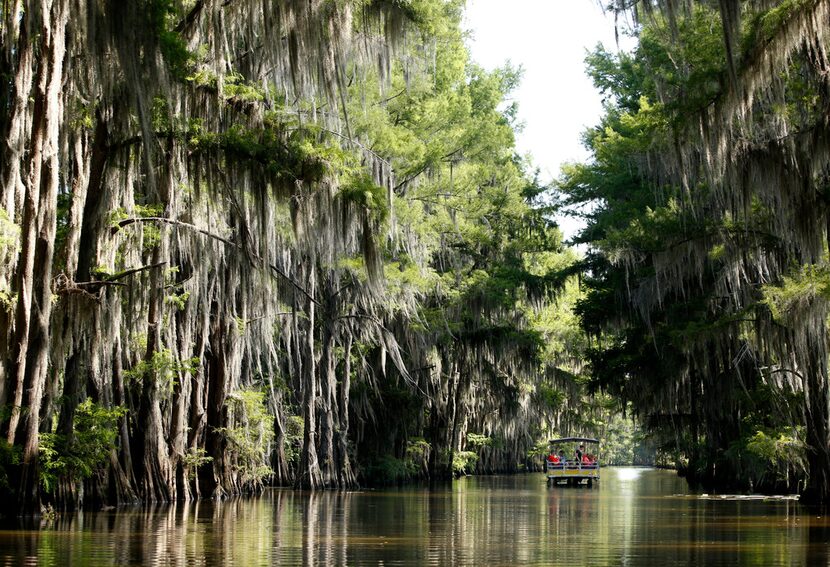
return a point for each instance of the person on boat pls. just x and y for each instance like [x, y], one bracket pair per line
[587, 459]
[553, 458]
[579, 452]
[562, 458]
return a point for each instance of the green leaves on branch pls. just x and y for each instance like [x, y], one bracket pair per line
[76, 458]
[286, 156]
[164, 368]
[163, 16]
[796, 292]
[360, 190]
[251, 435]
[463, 462]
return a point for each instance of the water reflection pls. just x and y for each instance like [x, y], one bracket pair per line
[631, 473]
[635, 517]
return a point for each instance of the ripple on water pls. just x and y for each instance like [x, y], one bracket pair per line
[634, 516]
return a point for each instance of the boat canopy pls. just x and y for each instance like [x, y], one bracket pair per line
[574, 439]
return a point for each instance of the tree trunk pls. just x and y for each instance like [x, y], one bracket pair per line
[18, 42]
[309, 475]
[328, 460]
[182, 393]
[18, 58]
[279, 461]
[154, 474]
[345, 472]
[126, 486]
[818, 415]
[216, 480]
[91, 216]
[39, 244]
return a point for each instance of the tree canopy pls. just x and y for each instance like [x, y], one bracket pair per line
[708, 237]
[249, 243]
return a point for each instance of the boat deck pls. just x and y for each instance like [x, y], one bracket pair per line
[572, 472]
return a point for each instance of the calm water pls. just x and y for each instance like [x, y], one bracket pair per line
[635, 517]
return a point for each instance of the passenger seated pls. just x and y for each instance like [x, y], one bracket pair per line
[553, 458]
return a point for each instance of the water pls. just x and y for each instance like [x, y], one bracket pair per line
[635, 517]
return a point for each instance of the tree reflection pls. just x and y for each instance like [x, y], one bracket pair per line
[497, 520]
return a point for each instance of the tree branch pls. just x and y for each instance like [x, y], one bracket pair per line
[191, 16]
[174, 222]
[297, 286]
[121, 275]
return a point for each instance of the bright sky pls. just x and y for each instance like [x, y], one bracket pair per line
[548, 39]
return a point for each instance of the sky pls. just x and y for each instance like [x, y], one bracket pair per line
[549, 40]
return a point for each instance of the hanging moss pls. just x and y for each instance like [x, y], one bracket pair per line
[360, 190]
[226, 190]
[768, 23]
[9, 239]
[250, 435]
[712, 266]
[164, 15]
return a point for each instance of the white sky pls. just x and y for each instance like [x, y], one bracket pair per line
[548, 39]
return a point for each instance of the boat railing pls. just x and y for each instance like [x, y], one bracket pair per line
[572, 465]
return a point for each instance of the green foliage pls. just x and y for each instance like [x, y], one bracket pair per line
[686, 68]
[478, 441]
[771, 457]
[235, 88]
[471, 233]
[624, 442]
[405, 275]
[618, 76]
[204, 78]
[9, 238]
[81, 114]
[7, 299]
[538, 451]
[164, 15]
[784, 448]
[61, 225]
[680, 339]
[9, 248]
[767, 24]
[293, 442]
[194, 458]
[417, 456]
[360, 190]
[93, 438]
[251, 434]
[289, 156]
[179, 300]
[241, 325]
[150, 232]
[551, 397]
[385, 470]
[465, 252]
[164, 368]
[789, 297]
[464, 462]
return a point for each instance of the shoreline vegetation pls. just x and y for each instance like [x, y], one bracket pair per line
[249, 244]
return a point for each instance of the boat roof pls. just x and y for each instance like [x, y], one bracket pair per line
[572, 439]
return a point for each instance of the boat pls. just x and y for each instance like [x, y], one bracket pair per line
[572, 461]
